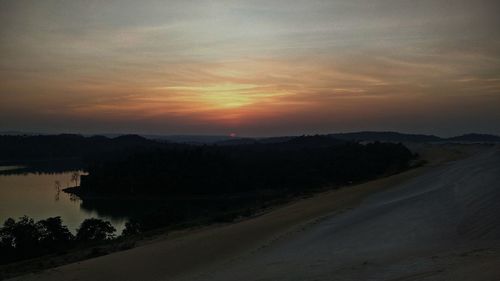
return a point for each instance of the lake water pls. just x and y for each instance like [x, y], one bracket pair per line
[36, 196]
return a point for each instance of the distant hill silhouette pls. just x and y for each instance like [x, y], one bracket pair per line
[131, 140]
[65, 146]
[275, 139]
[354, 136]
[247, 141]
[385, 136]
[401, 137]
[18, 133]
[475, 138]
[299, 141]
[238, 141]
[313, 141]
[191, 139]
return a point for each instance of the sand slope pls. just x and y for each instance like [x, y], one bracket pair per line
[434, 223]
[441, 225]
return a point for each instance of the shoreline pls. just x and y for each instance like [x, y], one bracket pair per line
[225, 240]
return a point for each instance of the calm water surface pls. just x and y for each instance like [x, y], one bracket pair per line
[36, 196]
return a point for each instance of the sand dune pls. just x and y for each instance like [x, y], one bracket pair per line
[440, 222]
[445, 222]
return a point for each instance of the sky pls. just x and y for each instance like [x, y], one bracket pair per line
[251, 68]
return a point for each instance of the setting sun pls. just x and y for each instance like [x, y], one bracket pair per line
[227, 95]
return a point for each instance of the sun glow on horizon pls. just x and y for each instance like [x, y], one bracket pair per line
[253, 66]
[222, 95]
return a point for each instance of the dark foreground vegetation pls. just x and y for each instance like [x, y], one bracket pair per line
[165, 185]
[26, 238]
[174, 184]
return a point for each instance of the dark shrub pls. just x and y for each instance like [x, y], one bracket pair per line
[93, 230]
[19, 239]
[53, 234]
[132, 228]
[23, 235]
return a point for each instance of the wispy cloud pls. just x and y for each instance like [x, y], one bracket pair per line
[217, 65]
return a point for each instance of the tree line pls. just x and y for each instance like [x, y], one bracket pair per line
[26, 238]
[303, 163]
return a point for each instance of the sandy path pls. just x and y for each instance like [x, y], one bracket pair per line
[323, 236]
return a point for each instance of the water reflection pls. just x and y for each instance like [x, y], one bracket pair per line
[10, 168]
[57, 186]
[40, 196]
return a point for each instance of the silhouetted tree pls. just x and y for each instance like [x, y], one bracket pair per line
[22, 236]
[75, 176]
[53, 234]
[26, 239]
[7, 241]
[57, 186]
[92, 230]
[131, 228]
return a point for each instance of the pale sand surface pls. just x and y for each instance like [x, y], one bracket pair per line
[439, 222]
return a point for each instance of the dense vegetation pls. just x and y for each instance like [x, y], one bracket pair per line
[26, 238]
[169, 185]
[296, 165]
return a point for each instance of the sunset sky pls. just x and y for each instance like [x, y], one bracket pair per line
[254, 68]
